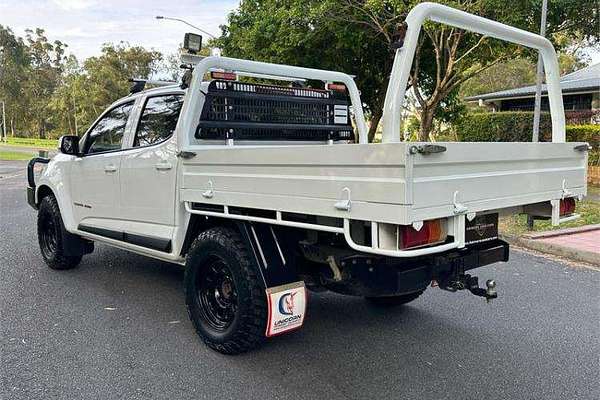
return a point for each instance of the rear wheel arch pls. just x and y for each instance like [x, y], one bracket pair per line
[200, 223]
[229, 318]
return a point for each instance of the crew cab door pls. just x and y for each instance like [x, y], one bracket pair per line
[95, 175]
[148, 173]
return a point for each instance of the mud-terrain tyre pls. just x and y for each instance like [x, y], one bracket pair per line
[224, 294]
[51, 236]
[393, 301]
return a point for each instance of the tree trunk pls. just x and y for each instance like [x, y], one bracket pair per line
[426, 123]
[375, 118]
[42, 130]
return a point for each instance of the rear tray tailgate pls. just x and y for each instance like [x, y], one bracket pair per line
[483, 176]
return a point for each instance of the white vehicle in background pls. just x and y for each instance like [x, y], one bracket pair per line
[264, 190]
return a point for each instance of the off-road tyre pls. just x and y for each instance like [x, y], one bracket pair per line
[393, 301]
[221, 249]
[52, 236]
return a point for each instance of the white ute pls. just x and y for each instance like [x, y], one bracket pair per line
[265, 190]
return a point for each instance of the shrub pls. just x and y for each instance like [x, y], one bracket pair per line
[584, 133]
[594, 158]
[582, 117]
[510, 126]
[517, 127]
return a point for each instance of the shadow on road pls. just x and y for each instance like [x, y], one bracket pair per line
[345, 343]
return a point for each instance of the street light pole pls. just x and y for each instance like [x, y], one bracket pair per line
[187, 23]
[538, 80]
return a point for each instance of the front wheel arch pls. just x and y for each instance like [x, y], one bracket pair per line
[41, 192]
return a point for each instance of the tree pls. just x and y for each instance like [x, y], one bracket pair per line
[301, 33]
[107, 76]
[50, 94]
[43, 77]
[521, 71]
[14, 63]
[88, 89]
[65, 115]
[504, 75]
[357, 36]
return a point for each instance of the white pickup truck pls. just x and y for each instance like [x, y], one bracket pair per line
[264, 190]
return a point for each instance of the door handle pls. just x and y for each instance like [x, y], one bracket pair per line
[110, 168]
[163, 166]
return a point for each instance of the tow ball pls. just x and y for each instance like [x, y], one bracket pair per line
[471, 283]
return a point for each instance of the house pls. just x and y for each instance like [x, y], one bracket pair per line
[581, 96]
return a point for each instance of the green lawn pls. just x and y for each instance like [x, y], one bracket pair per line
[589, 210]
[33, 142]
[15, 155]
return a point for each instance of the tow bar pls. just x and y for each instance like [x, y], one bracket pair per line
[471, 283]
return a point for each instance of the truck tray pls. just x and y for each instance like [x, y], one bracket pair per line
[384, 182]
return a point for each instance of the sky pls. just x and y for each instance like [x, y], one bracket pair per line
[84, 25]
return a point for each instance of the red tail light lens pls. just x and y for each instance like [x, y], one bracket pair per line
[567, 206]
[336, 86]
[227, 76]
[431, 232]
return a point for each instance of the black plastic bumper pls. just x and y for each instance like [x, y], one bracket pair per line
[369, 276]
[31, 197]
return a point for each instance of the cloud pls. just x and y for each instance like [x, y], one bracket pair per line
[84, 25]
[74, 4]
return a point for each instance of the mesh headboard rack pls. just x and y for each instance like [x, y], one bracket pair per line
[250, 111]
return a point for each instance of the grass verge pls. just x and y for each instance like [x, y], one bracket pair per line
[32, 142]
[517, 225]
[15, 155]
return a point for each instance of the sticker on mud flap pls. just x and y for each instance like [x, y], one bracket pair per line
[287, 307]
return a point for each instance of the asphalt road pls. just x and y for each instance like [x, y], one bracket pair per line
[116, 328]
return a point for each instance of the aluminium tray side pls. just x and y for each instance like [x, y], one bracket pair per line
[306, 179]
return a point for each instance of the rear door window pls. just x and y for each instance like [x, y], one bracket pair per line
[158, 120]
[107, 134]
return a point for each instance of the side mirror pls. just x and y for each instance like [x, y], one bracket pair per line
[69, 144]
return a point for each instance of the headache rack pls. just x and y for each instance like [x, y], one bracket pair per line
[251, 111]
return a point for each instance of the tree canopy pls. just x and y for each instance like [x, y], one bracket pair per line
[49, 94]
[358, 37]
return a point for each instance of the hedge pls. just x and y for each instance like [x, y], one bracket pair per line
[510, 126]
[584, 133]
[517, 127]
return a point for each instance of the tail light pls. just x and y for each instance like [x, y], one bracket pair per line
[432, 232]
[339, 87]
[226, 76]
[567, 206]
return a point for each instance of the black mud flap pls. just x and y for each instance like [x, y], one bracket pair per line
[271, 253]
[285, 291]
